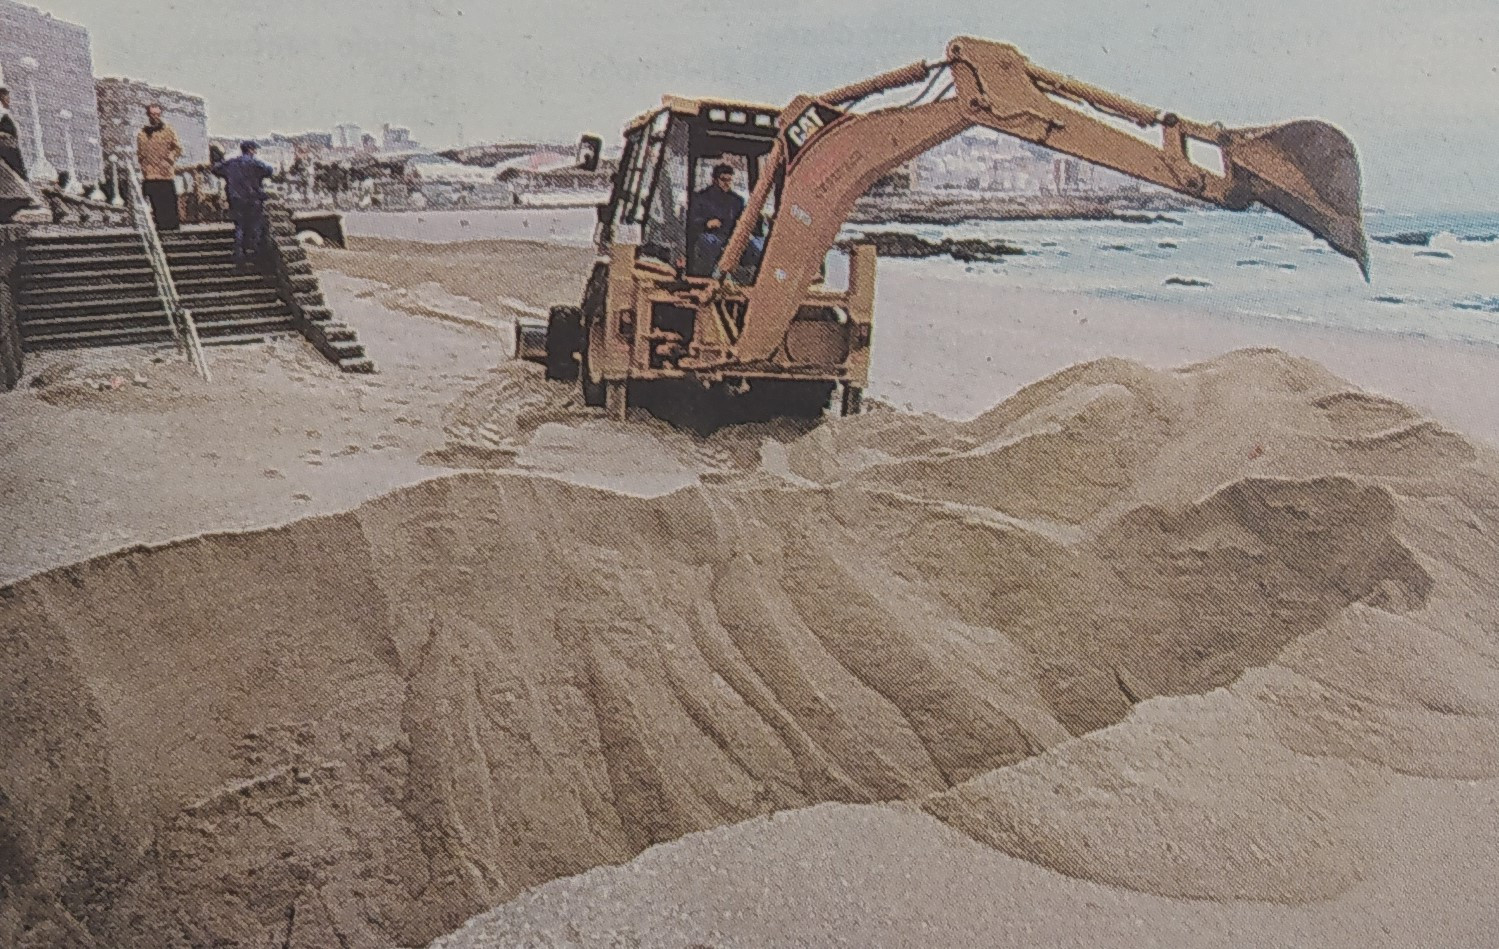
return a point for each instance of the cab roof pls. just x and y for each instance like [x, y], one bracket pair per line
[733, 111]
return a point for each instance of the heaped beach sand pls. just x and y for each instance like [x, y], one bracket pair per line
[1192, 647]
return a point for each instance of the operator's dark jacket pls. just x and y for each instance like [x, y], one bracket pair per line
[715, 203]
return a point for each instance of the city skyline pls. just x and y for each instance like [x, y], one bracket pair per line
[1402, 82]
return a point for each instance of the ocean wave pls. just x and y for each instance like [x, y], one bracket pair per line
[1391, 299]
[1439, 254]
[1257, 262]
[1284, 315]
[1479, 239]
[1176, 280]
[1478, 305]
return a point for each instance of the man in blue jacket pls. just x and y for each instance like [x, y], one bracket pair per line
[244, 178]
[715, 211]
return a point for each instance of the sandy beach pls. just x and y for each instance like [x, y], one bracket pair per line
[1110, 624]
[438, 319]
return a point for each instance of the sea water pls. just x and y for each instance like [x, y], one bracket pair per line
[1442, 282]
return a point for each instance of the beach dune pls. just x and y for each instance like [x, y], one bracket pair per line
[1185, 637]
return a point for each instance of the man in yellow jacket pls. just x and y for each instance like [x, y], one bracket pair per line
[157, 150]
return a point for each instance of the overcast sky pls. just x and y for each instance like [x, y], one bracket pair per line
[1416, 84]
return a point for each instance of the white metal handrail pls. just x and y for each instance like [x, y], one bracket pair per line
[179, 317]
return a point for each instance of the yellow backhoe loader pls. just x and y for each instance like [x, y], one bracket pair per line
[697, 295]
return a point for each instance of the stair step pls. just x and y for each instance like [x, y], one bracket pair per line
[240, 339]
[89, 284]
[197, 237]
[110, 261]
[177, 258]
[89, 236]
[203, 283]
[160, 332]
[37, 250]
[32, 294]
[83, 325]
[133, 304]
[203, 317]
[129, 337]
[203, 313]
[260, 294]
[278, 323]
[107, 302]
[194, 270]
[184, 262]
[198, 233]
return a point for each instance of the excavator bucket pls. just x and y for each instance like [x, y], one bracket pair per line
[1308, 171]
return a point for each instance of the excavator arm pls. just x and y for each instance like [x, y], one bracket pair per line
[827, 157]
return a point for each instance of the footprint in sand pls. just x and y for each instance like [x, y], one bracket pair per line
[273, 473]
[346, 451]
[299, 496]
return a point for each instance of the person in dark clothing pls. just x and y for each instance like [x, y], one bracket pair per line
[244, 177]
[10, 138]
[715, 211]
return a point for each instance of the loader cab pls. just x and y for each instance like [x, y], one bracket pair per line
[668, 161]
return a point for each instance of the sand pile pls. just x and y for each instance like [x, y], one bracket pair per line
[514, 419]
[361, 729]
[111, 381]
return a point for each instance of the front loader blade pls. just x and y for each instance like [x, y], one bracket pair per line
[1308, 171]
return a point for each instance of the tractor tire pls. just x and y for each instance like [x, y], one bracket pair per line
[564, 339]
[595, 394]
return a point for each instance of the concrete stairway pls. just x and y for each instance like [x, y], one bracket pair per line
[94, 288]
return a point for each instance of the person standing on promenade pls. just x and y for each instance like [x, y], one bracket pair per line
[157, 150]
[10, 137]
[244, 180]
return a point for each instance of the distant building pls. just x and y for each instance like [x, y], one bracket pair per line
[61, 80]
[982, 160]
[347, 135]
[395, 139]
[122, 111]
